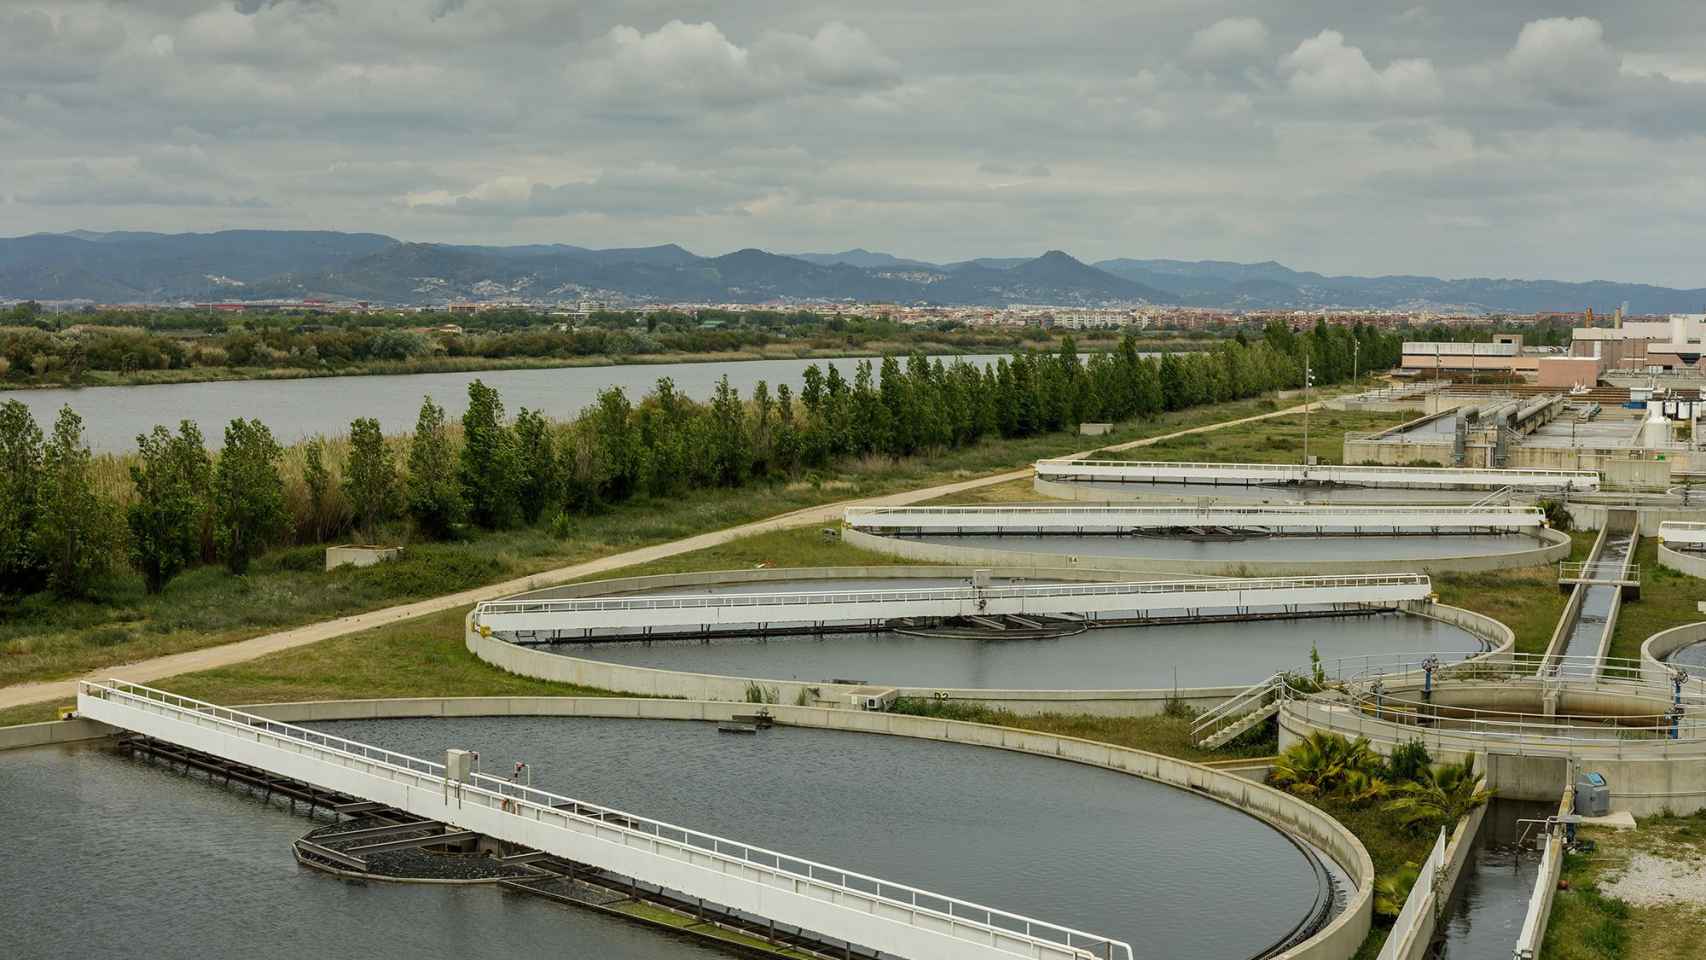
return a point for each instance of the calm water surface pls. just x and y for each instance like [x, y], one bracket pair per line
[1112, 658]
[1484, 916]
[1089, 848]
[109, 857]
[106, 856]
[1257, 493]
[298, 409]
[1299, 548]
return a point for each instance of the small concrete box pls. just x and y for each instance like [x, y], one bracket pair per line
[358, 555]
[1593, 795]
[458, 765]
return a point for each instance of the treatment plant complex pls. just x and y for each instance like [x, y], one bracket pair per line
[896, 756]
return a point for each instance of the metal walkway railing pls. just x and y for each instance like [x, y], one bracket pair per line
[894, 918]
[1139, 471]
[1122, 518]
[875, 606]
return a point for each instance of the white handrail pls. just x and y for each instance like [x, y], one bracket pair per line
[1019, 592]
[1444, 473]
[1155, 471]
[539, 805]
[1313, 514]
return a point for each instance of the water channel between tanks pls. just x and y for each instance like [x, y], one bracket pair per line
[1205, 654]
[1180, 874]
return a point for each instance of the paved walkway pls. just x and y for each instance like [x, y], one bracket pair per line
[147, 671]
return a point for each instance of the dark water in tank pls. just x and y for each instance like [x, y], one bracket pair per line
[1484, 914]
[1293, 548]
[1126, 658]
[1260, 493]
[1174, 873]
[111, 857]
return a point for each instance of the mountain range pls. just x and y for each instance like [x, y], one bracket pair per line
[133, 267]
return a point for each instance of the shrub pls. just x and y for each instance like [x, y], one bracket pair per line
[1408, 761]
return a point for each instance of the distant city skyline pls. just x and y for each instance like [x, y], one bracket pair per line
[1528, 140]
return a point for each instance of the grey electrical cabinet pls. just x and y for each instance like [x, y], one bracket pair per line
[458, 765]
[1593, 795]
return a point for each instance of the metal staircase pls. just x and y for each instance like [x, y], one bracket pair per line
[1224, 723]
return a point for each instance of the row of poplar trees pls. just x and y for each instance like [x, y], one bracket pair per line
[59, 530]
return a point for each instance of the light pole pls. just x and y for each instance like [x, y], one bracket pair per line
[1308, 381]
[1356, 348]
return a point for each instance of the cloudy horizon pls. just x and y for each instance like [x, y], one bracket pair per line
[1523, 139]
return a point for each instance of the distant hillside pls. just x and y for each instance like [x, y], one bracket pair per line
[260, 264]
[152, 266]
[1269, 285]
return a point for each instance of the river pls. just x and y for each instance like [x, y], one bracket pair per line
[298, 409]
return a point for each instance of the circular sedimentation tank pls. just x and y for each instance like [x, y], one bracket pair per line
[1230, 553]
[1180, 873]
[1277, 493]
[1208, 649]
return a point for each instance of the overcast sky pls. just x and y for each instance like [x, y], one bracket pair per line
[1456, 137]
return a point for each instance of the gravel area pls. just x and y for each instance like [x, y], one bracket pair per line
[1650, 881]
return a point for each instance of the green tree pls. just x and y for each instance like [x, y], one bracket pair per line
[74, 531]
[434, 497]
[370, 477]
[536, 461]
[248, 494]
[731, 448]
[172, 475]
[21, 567]
[487, 465]
[318, 480]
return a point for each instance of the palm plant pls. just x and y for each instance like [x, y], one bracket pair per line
[1440, 796]
[1392, 889]
[1362, 787]
[1318, 763]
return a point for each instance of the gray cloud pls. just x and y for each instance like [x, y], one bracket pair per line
[1522, 138]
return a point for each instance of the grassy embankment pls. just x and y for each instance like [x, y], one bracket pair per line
[44, 638]
[1590, 922]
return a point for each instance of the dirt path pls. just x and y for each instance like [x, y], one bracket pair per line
[145, 671]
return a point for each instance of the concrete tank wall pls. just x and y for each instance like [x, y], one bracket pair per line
[1550, 547]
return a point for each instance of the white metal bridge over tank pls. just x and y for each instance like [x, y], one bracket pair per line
[1085, 601]
[1247, 474]
[893, 918]
[1119, 519]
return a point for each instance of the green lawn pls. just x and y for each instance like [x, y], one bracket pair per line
[1526, 600]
